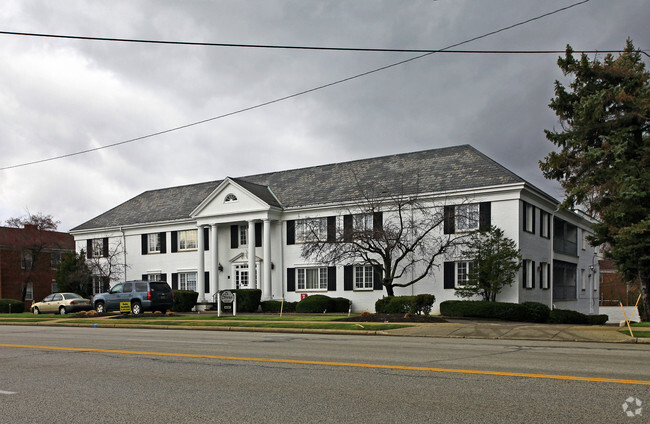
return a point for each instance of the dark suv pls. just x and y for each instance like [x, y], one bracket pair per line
[143, 295]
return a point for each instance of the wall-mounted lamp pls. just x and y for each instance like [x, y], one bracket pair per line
[272, 265]
[220, 267]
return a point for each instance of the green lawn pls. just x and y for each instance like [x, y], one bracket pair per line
[637, 333]
[641, 324]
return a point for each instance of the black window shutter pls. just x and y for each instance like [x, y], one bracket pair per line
[347, 228]
[163, 242]
[348, 277]
[105, 247]
[106, 281]
[533, 275]
[524, 268]
[331, 278]
[331, 229]
[206, 238]
[449, 220]
[163, 277]
[377, 278]
[258, 234]
[145, 243]
[89, 249]
[377, 224]
[174, 281]
[291, 232]
[449, 277]
[206, 286]
[485, 216]
[145, 277]
[291, 279]
[525, 220]
[234, 236]
[174, 241]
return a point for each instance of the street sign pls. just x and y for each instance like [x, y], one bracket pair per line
[227, 296]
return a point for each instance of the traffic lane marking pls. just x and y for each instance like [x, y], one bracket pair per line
[3, 392]
[340, 364]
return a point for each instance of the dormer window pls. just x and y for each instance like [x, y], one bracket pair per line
[230, 198]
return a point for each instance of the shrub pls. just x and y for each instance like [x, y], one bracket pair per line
[184, 300]
[248, 300]
[11, 306]
[565, 316]
[317, 303]
[274, 306]
[536, 312]
[482, 309]
[423, 303]
[394, 305]
[341, 304]
[597, 319]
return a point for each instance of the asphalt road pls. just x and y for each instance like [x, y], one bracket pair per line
[175, 376]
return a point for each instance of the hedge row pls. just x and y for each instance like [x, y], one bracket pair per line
[184, 300]
[274, 306]
[524, 312]
[420, 304]
[319, 303]
[11, 306]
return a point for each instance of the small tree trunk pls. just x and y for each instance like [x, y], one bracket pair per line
[390, 291]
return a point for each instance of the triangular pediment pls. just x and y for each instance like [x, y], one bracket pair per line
[232, 197]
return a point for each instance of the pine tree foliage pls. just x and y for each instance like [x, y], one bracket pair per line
[603, 153]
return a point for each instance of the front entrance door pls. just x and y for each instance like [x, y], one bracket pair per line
[241, 275]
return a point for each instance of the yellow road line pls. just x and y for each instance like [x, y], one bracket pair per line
[340, 364]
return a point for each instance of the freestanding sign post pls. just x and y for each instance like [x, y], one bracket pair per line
[227, 297]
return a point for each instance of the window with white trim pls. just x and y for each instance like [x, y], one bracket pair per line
[529, 273]
[545, 224]
[363, 277]
[29, 291]
[230, 198]
[98, 284]
[187, 240]
[583, 279]
[361, 222]
[153, 243]
[187, 281]
[311, 229]
[54, 286]
[55, 259]
[98, 248]
[243, 235]
[311, 278]
[545, 275]
[153, 277]
[467, 217]
[529, 219]
[463, 270]
[26, 260]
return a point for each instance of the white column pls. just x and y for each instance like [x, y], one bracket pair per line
[266, 292]
[200, 278]
[252, 283]
[214, 261]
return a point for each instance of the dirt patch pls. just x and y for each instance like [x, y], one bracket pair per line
[393, 318]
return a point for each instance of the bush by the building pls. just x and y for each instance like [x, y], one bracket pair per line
[184, 300]
[248, 300]
[274, 306]
[420, 304]
[11, 306]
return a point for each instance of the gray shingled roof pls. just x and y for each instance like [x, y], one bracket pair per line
[451, 168]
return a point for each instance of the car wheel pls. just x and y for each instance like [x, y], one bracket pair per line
[136, 308]
[99, 307]
[62, 310]
[36, 311]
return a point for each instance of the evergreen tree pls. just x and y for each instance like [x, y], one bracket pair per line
[603, 156]
[73, 275]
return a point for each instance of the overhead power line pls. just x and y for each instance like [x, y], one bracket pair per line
[290, 47]
[280, 99]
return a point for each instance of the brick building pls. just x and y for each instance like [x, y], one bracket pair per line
[28, 261]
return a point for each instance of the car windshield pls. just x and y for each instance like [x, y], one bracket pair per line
[71, 296]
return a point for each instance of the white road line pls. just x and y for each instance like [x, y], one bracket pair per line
[2, 392]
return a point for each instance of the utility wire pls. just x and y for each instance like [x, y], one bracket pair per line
[301, 93]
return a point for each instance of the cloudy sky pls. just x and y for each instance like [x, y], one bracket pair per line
[60, 96]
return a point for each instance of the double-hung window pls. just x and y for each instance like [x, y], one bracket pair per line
[98, 248]
[545, 275]
[467, 217]
[311, 278]
[187, 281]
[545, 224]
[26, 260]
[362, 222]
[311, 229]
[463, 270]
[529, 218]
[187, 240]
[153, 244]
[243, 235]
[363, 277]
[529, 274]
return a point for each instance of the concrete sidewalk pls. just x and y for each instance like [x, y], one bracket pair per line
[519, 331]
